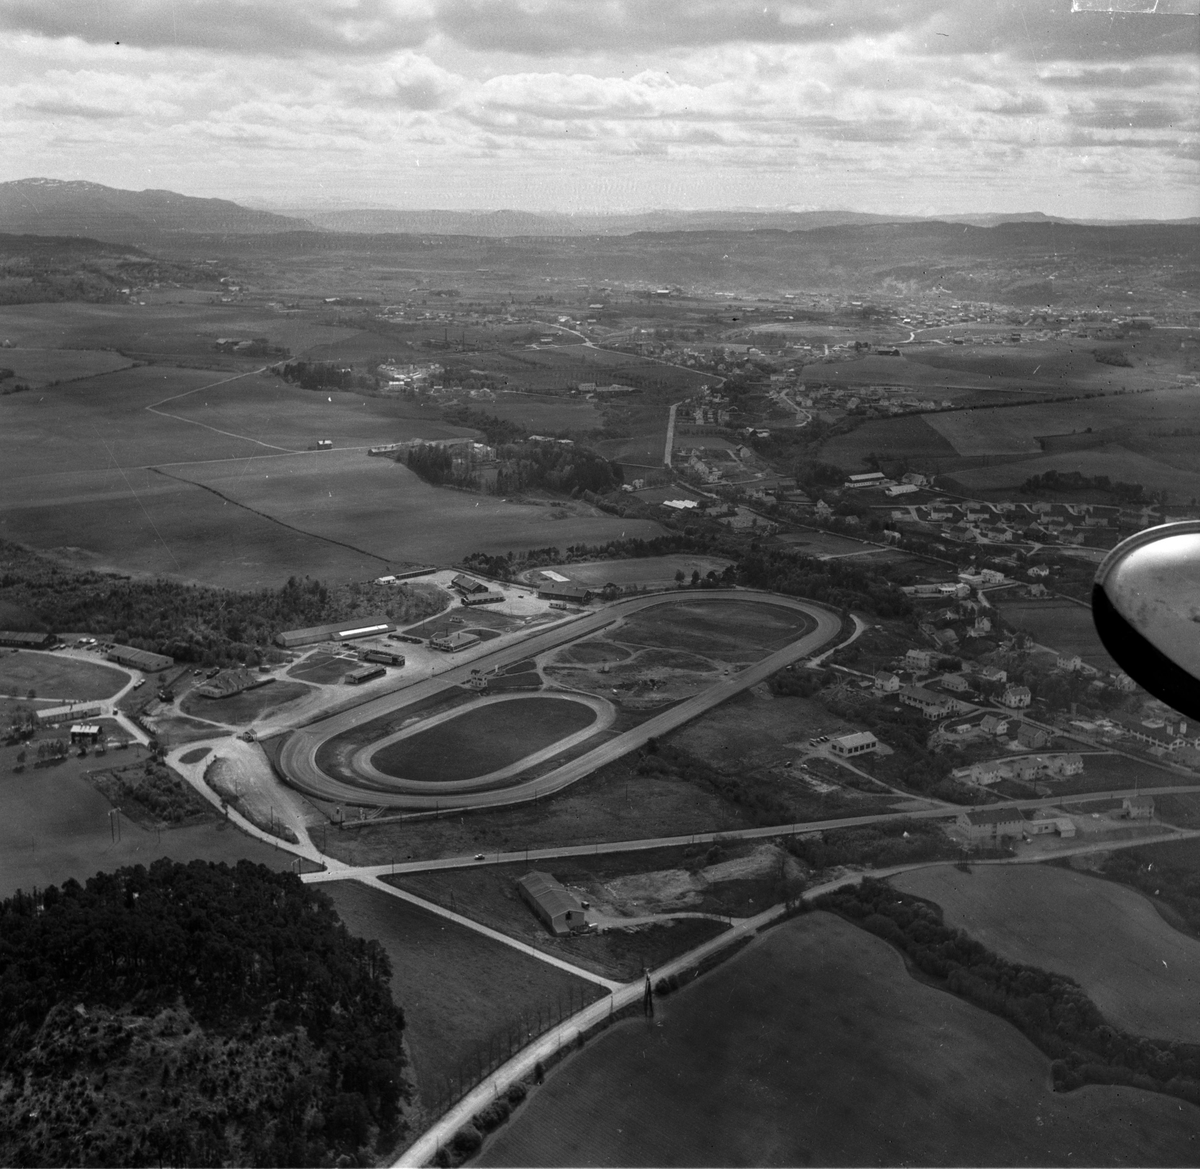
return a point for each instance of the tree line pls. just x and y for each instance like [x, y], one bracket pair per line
[1052, 1010]
[196, 623]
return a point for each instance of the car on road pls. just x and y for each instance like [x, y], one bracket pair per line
[139, 683]
[479, 856]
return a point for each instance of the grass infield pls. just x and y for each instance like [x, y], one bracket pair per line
[483, 739]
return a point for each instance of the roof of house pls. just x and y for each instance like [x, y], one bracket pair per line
[994, 816]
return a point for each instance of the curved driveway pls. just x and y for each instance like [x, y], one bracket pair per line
[297, 759]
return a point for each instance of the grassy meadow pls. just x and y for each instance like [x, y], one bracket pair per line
[52, 676]
[456, 986]
[1142, 974]
[813, 1046]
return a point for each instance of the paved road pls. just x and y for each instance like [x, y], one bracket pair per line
[297, 759]
[520, 856]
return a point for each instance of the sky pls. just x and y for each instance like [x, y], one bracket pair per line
[889, 106]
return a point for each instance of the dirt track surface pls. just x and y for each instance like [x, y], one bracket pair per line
[297, 759]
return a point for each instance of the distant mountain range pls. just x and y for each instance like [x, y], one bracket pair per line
[60, 208]
[56, 207]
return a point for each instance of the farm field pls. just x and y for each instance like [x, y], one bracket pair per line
[907, 436]
[241, 709]
[1000, 431]
[483, 739]
[382, 508]
[651, 571]
[55, 825]
[1061, 625]
[162, 329]
[456, 986]
[42, 367]
[1178, 475]
[544, 413]
[1142, 974]
[720, 628]
[907, 370]
[54, 676]
[814, 1046]
[162, 527]
[269, 410]
[101, 423]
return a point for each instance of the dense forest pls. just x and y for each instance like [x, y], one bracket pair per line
[324, 375]
[191, 623]
[525, 466]
[1051, 1009]
[834, 582]
[194, 1015]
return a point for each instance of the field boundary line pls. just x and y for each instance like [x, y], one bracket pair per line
[153, 409]
[270, 518]
[374, 882]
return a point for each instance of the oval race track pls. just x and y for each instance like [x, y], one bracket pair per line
[297, 758]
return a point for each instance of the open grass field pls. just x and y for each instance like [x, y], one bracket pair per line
[1118, 773]
[1142, 974]
[615, 803]
[158, 526]
[54, 676]
[542, 414]
[724, 629]
[490, 897]
[907, 436]
[1061, 625]
[650, 571]
[242, 709]
[270, 410]
[456, 986]
[824, 544]
[54, 825]
[46, 367]
[813, 1046]
[1178, 475]
[161, 330]
[483, 739]
[383, 508]
[1000, 431]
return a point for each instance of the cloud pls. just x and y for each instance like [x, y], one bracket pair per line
[1114, 77]
[542, 27]
[1124, 115]
[272, 27]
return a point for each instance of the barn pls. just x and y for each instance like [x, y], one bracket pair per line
[551, 903]
[575, 594]
[139, 659]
